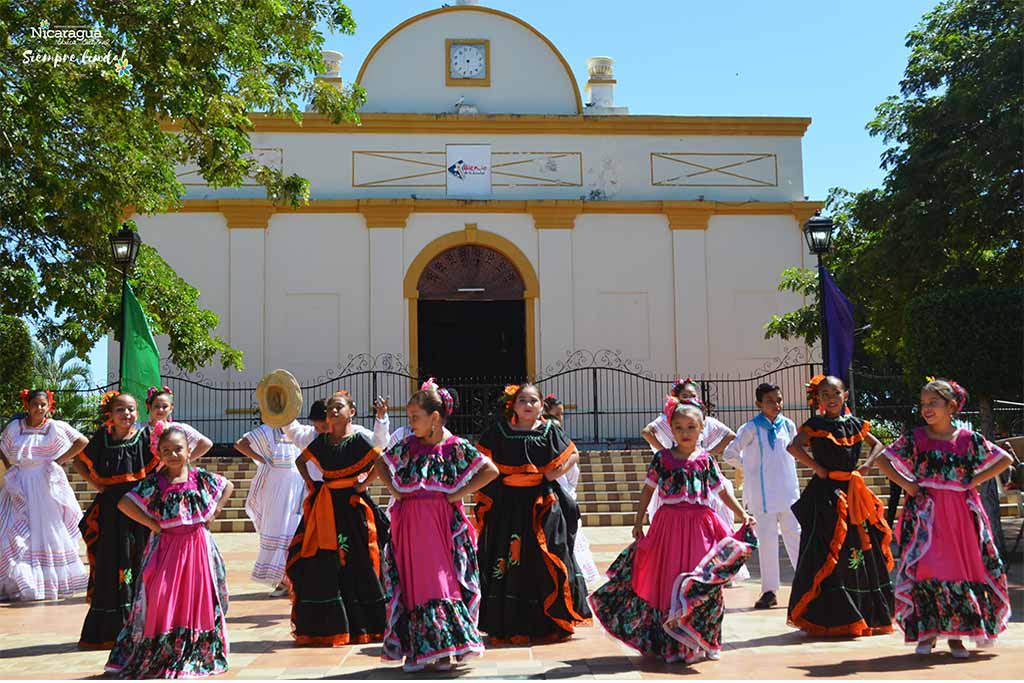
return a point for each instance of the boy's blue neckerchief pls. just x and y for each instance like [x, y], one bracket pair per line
[771, 427]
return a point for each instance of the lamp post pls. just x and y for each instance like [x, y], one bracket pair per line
[818, 233]
[124, 246]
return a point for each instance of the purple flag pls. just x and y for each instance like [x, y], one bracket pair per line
[839, 321]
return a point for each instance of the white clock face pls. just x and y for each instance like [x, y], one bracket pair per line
[467, 60]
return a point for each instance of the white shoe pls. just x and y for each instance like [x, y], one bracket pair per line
[411, 668]
[279, 592]
[714, 655]
[924, 647]
[959, 651]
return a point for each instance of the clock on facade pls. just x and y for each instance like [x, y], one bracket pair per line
[467, 62]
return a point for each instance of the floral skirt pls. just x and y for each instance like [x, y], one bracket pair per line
[841, 585]
[115, 546]
[664, 597]
[432, 580]
[950, 582]
[176, 627]
[533, 590]
[337, 594]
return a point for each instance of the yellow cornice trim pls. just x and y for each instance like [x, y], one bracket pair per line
[803, 213]
[487, 10]
[531, 124]
[385, 213]
[554, 214]
[688, 215]
[547, 214]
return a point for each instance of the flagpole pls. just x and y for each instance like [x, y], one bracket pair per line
[822, 319]
[120, 365]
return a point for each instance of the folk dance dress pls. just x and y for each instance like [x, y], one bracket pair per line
[39, 515]
[533, 589]
[176, 627]
[114, 543]
[674, 575]
[274, 503]
[950, 582]
[664, 594]
[714, 431]
[334, 558]
[841, 586]
[769, 490]
[430, 566]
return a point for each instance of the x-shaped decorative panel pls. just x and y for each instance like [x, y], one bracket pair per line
[709, 169]
[268, 156]
[427, 169]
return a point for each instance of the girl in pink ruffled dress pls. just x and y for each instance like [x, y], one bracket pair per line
[950, 582]
[176, 627]
[664, 594]
[430, 565]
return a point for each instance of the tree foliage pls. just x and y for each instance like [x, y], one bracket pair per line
[975, 336]
[57, 367]
[950, 213]
[803, 323]
[15, 363]
[82, 141]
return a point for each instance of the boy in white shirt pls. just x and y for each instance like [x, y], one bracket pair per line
[770, 485]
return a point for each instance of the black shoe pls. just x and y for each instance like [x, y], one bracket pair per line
[766, 601]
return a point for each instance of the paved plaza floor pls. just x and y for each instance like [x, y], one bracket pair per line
[38, 640]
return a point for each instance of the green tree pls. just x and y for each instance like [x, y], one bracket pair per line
[803, 323]
[950, 213]
[15, 363]
[974, 336]
[81, 142]
[56, 366]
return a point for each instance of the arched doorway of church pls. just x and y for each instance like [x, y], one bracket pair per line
[471, 316]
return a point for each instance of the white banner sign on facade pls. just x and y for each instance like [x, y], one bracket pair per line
[469, 170]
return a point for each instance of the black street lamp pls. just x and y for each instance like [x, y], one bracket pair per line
[124, 246]
[818, 233]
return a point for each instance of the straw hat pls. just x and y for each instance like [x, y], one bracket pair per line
[280, 398]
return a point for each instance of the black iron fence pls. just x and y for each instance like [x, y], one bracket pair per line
[608, 400]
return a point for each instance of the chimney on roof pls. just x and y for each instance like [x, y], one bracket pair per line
[332, 69]
[601, 87]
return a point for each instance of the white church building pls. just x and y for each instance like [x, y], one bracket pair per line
[491, 217]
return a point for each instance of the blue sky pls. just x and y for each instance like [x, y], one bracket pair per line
[831, 60]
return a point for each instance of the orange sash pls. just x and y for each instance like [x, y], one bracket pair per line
[861, 503]
[523, 480]
[321, 531]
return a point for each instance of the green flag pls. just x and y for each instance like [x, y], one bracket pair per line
[140, 359]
